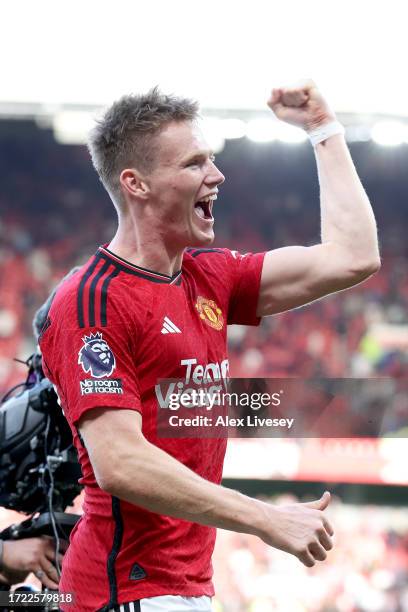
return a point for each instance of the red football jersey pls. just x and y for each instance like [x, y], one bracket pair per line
[115, 329]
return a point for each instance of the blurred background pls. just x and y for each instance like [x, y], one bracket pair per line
[63, 65]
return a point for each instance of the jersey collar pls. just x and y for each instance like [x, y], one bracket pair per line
[126, 266]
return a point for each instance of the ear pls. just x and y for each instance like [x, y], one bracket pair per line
[134, 184]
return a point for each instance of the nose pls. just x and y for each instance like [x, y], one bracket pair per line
[215, 177]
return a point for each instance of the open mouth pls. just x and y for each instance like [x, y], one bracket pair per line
[203, 208]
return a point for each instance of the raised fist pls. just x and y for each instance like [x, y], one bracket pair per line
[301, 105]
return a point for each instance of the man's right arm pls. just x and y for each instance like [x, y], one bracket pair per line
[129, 467]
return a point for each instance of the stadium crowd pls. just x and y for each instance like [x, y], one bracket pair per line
[367, 571]
[270, 199]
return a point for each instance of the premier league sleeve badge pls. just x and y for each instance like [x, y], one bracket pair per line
[96, 357]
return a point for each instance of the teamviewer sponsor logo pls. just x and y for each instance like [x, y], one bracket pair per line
[112, 385]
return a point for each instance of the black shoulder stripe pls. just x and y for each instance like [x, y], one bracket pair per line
[80, 294]
[104, 296]
[196, 252]
[95, 280]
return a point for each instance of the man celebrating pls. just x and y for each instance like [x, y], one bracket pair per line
[154, 304]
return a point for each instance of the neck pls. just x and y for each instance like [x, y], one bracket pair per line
[146, 249]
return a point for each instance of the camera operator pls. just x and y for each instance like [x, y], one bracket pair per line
[37, 555]
[18, 558]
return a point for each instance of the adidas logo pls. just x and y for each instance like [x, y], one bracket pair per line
[169, 327]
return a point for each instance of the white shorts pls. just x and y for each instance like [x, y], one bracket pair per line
[167, 603]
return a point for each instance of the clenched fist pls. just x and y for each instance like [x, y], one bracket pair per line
[301, 105]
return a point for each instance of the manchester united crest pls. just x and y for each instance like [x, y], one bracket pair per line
[210, 313]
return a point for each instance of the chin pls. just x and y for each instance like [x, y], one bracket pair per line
[202, 239]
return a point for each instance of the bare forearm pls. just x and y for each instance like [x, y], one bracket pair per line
[136, 471]
[164, 485]
[347, 218]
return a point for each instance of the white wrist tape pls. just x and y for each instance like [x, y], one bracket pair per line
[324, 132]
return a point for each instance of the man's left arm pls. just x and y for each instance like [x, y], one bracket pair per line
[348, 253]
